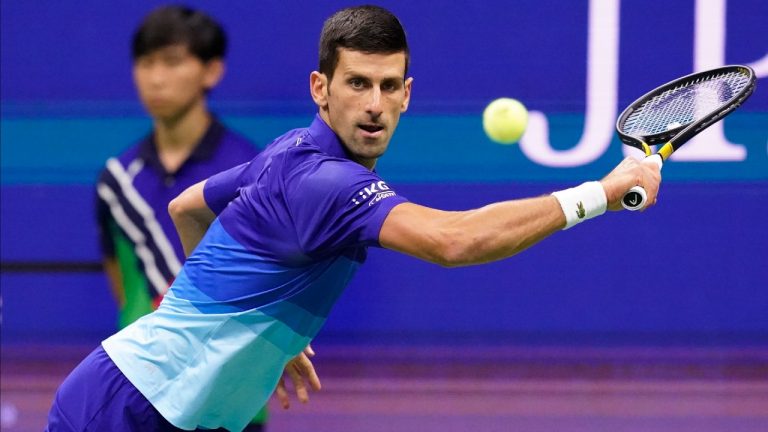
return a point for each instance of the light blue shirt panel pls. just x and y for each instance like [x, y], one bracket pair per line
[193, 353]
[186, 364]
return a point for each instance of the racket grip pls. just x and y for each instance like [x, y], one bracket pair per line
[636, 197]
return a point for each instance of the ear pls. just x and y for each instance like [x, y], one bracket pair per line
[214, 72]
[318, 87]
[407, 100]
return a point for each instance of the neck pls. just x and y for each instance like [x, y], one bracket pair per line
[177, 137]
[368, 163]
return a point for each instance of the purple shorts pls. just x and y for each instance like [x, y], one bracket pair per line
[96, 396]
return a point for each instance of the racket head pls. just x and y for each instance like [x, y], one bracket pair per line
[676, 111]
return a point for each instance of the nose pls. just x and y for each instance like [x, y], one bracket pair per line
[156, 74]
[374, 104]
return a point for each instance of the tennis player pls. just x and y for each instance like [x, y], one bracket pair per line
[273, 243]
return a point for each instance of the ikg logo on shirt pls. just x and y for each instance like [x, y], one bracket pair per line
[377, 191]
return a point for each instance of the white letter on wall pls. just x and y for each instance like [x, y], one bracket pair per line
[602, 83]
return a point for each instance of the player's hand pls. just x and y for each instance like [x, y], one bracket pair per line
[631, 172]
[301, 372]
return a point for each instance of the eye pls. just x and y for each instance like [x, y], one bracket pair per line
[390, 86]
[357, 83]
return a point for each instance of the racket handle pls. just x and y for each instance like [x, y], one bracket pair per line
[635, 198]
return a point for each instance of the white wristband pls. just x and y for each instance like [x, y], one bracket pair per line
[582, 202]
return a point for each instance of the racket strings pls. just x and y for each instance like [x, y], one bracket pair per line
[685, 103]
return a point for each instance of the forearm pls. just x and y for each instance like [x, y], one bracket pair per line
[191, 229]
[191, 216]
[477, 236]
[504, 229]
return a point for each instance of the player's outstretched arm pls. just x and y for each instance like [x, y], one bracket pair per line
[301, 372]
[191, 216]
[477, 236]
[503, 229]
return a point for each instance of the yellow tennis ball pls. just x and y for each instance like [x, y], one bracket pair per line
[504, 120]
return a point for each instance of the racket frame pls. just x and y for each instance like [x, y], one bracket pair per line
[676, 137]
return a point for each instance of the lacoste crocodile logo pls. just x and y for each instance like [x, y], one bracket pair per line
[580, 212]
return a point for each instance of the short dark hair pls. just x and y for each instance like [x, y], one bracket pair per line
[171, 25]
[368, 29]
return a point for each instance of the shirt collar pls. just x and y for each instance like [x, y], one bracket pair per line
[326, 138]
[204, 149]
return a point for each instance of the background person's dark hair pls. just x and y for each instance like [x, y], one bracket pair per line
[368, 29]
[171, 25]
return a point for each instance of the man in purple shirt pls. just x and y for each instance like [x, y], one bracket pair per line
[272, 243]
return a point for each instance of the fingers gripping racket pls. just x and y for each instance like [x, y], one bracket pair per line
[675, 112]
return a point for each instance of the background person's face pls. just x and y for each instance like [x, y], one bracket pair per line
[171, 80]
[363, 101]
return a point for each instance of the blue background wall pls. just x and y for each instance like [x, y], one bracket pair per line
[692, 270]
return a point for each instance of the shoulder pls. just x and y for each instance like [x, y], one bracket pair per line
[131, 153]
[323, 175]
[120, 162]
[281, 150]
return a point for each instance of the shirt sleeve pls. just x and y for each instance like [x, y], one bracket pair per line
[339, 204]
[223, 187]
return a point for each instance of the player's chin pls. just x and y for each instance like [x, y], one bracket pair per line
[370, 149]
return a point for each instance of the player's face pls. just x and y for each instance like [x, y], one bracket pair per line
[171, 81]
[363, 101]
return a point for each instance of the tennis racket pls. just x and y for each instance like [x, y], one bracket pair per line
[675, 112]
